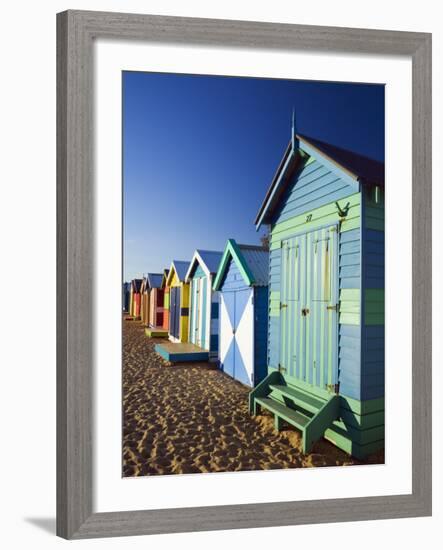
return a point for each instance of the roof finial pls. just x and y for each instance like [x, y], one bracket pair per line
[293, 130]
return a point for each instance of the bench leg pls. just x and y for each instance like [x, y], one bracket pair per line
[255, 408]
[278, 423]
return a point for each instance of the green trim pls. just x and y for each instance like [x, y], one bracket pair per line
[323, 216]
[350, 295]
[327, 210]
[349, 319]
[374, 306]
[233, 251]
[309, 161]
[362, 437]
[352, 448]
[348, 403]
[309, 388]
[363, 422]
[156, 333]
[376, 224]
[362, 407]
[349, 421]
[349, 307]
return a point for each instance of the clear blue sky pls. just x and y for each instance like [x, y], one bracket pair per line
[199, 153]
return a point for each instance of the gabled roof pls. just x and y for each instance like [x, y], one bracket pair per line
[154, 280]
[362, 168]
[355, 168]
[251, 260]
[164, 278]
[209, 261]
[136, 284]
[180, 268]
[144, 286]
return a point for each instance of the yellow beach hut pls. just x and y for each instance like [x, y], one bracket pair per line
[178, 301]
[144, 301]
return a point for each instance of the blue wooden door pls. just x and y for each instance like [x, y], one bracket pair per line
[309, 308]
[174, 307]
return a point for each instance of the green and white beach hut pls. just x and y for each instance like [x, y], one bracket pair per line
[325, 212]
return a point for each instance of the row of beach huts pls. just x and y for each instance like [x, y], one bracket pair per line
[300, 320]
[214, 307]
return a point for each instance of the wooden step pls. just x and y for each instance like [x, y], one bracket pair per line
[295, 418]
[299, 397]
[311, 415]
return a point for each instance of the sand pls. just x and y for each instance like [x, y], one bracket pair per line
[192, 418]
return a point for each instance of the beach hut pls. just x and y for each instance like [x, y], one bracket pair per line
[134, 298]
[126, 295]
[165, 288]
[178, 302]
[178, 348]
[203, 317]
[325, 212]
[156, 304]
[144, 301]
[242, 282]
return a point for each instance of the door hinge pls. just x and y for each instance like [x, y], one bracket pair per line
[333, 388]
[280, 368]
[283, 305]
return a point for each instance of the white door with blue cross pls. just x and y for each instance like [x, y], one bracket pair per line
[237, 334]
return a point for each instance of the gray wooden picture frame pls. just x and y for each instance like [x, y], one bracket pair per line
[76, 32]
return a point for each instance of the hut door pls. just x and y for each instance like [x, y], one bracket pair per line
[322, 308]
[309, 314]
[196, 306]
[174, 311]
[292, 329]
[237, 334]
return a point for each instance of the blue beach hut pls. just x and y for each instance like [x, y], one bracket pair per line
[203, 314]
[126, 296]
[242, 282]
[325, 212]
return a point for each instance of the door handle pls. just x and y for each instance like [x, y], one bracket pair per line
[333, 308]
[305, 311]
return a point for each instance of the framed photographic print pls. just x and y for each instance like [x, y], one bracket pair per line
[244, 280]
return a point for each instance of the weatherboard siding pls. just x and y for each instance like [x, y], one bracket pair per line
[233, 279]
[260, 332]
[316, 185]
[199, 272]
[373, 283]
